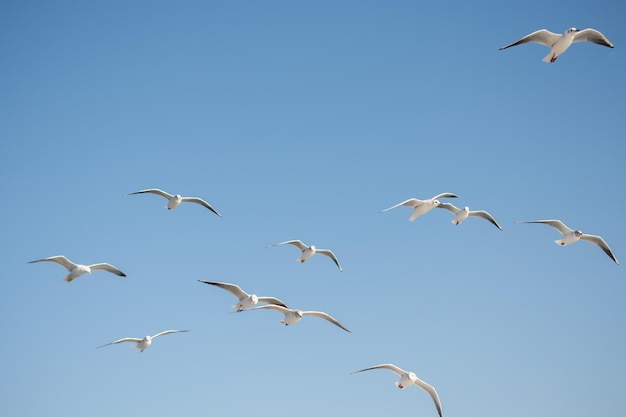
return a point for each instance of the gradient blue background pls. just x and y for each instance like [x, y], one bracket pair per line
[301, 120]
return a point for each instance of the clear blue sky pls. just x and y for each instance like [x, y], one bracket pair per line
[301, 120]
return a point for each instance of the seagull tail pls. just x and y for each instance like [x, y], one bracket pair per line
[551, 57]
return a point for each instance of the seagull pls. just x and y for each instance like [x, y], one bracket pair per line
[293, 316]
[422, 206]
[559, 43]
[175, 200]
[77, 270]
[406, 379]
[572, 236]
[142, 344]
[308, 251]
[461, 214]
[245, 300]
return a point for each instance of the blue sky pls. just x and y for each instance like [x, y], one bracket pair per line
[301, 121]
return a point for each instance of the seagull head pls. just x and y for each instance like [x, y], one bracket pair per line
[578, 233]
[571, 31]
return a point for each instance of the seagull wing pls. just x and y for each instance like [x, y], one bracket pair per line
[325, 316]
[432, 392]
[276, 307]
[272, 300]
[108, 268]
[411, 202]
[602, 243]
[592, 35]
[557, 224]
[444, 195]
[126, 339]
[450, 207]
[61, 260]
[542, 36]
[390, 366]
[201, 202]
[297, 243]
[231, 288]
[484, 215]
[154, 191]
[168, 332]
[331, 255]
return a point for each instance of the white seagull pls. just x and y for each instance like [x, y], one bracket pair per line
[142, 344]
[559, 43]
[409, 378]
[573, 236]
[461, 214]
[244, 300]
[422, 206]
[308, 251]
[77, 270]
[293, 316]
[174, 201]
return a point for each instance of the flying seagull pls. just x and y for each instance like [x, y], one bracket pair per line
[77, 270]
[461, 214]
[422, 206]
[293, 316]
[559, 43]
[572, 236]
[144, 343]
[174, 201]
[409, 378]
[308, 251]
[244, 300]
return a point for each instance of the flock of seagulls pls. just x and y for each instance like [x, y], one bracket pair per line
[558, 44]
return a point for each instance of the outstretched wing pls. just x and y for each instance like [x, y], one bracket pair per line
[231, 288]
[297, 243]
[201, 202]
[61, 260]
[331, 255]
[126, 339]
[168, 332]
[272, 300]
[444, 195]
[154, 191]
[598, 240]
[484, 215]
[557, 224]
[390, 366]
[432, 392]
[325, 316]
[450, 207]
[108, 268]
[593, 36]
[411, 202]
[542, 36]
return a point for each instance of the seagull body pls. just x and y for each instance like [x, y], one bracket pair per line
[308, 251]
[293, 316]
[174, 200]
[77, 270]
[461, 214]
[422, 206]
[244, 300]
[407, 379]
[572, 236]
[144, 343]
[559, 43]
